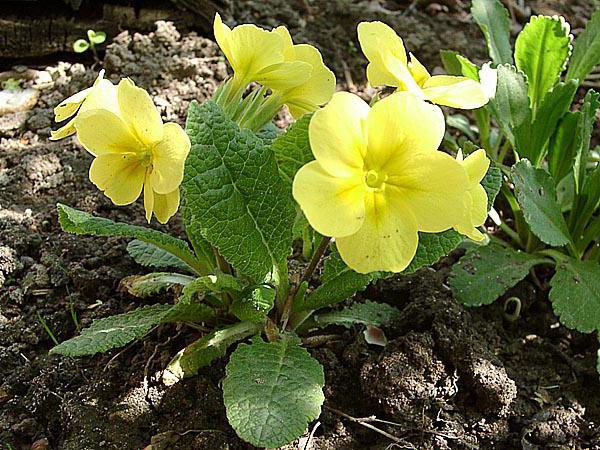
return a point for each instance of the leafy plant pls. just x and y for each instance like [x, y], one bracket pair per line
[93, 38]
[238, 178]
[551, 175]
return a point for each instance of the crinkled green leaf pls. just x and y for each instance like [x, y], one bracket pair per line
[120, 330]
[541, 51]
[150, 255]
[234, 194]
[205, 350]
[272, 391]
[256, 305]
[79, 222]
[536, 193]
[494, 21]
[492, 182]
[215, 283]
[367, 313]
[432, 247]
[575, 294]
[586, 51]
[483, 275]
[153, 283]
[292, 149]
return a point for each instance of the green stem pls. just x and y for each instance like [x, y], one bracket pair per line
[503, 151]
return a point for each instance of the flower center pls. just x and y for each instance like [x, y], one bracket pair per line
[146, 158]
[375, 179]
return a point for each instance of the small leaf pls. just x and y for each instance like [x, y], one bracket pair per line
[456, 64]
[541, 52]
[575, 294]
[256, 306]
[234, 196]
[292, 149]
[367, 313]
[586, 51]
[216, 284]
[152, 283]
[484, 274]
[204, 351]
[80, 45]
[79, 222]
[150, 255]
[494, 21]
[120, 330]
[96, 37]
[492, 182]
[272, 391]
[536, 193]
[585, 126]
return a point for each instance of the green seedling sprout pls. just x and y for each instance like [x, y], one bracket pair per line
[94, 38]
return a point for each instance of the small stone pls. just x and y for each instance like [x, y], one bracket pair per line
[15, 101]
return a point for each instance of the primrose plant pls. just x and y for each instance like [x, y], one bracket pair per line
[364, 187]
[552, 178]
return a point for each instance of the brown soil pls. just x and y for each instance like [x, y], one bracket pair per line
[449, 377]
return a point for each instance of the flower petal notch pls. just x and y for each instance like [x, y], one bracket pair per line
[389, 66]
[378, 179]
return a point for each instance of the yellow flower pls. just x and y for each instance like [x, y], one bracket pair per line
[378, 179]
[258, 55]
[133, 149]
[388, 66]
[317, 89]
[102, 93]
[476, 165]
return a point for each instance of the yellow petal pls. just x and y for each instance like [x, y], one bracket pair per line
[476, 214]
[101, 131]
[336, 134]
[69, 106]
[284, 76]
[418, 70]
[102, 96]
[168, 159]
[432, 185]
[66, 130]
[401, 124]
[316, 90]
[140, 114]
[386, 241]
[166, 205]
[456, 92]
[387, 57]
[120, 176]
[288, 44]
[248, 49]
[333, 206]
[476, 165]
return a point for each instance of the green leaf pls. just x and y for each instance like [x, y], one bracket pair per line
[586, 51]
[541, 52]
[79, 222]
[483, 275]
[585, 126]
[256, 306]
[462, 124]
[153, 283]
[433, 246]
[80, 45]
[510, 106]
[234, 195]
[96, 37]
[150, 255]
[575, 294]
[536, 193]
[339, 282]
[494, 21]
[204, 351]
[456, 64]
[562, 147]
[292, 149]
[272, 391]
[367, 313]
[492, 182]
[120, 330]
[215, 283]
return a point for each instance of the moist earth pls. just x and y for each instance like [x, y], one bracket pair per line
[449, 377]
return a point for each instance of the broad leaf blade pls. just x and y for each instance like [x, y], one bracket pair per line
[575, 294]
[367, 313]
[79, 222]
[586, 51]
[541, 51]
[150, 255]
[562, 147]
[234, 194]
[255, 306]
[483, 275]
[492, 182]
[432, 247]
[204, 351]
[292, 149]
[494, 21]
[536, 193]
[272, 391]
